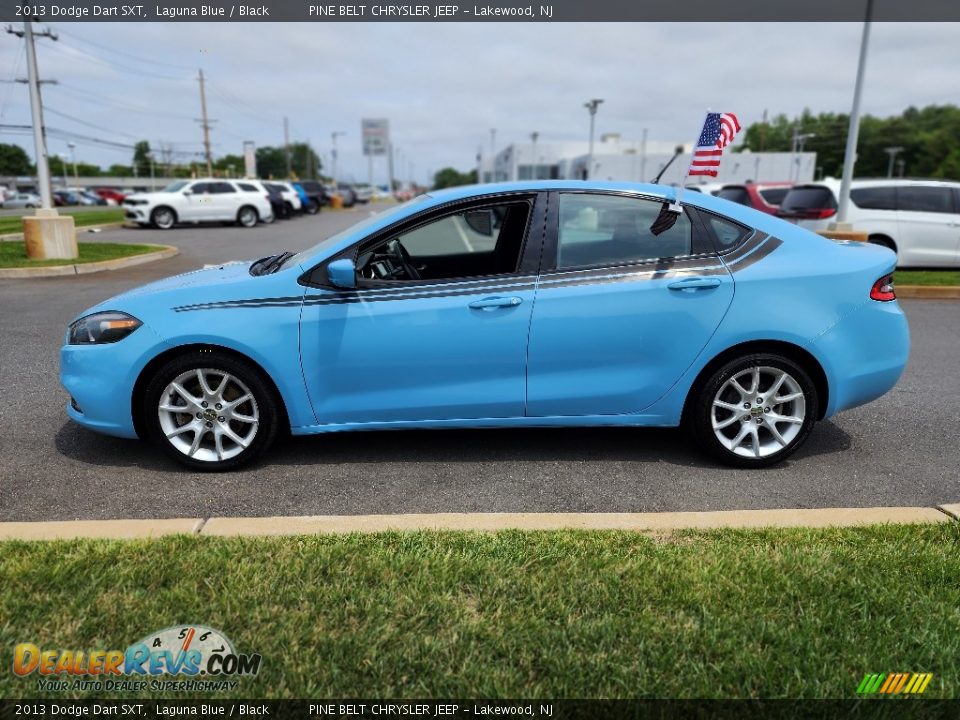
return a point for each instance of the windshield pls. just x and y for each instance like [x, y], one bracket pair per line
[377, 219]
[176, 186]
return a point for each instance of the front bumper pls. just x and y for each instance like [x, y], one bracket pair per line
[100, 380]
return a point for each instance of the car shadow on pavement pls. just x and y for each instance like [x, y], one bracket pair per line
[575, 445]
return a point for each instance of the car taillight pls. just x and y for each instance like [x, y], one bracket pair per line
[883, 289]
[823, 213]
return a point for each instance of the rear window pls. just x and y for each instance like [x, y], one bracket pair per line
[808, 198]
[774, 196]
[925, 199]
[875, 198]
[735, 194]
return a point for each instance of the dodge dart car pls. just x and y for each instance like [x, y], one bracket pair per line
[510, 305]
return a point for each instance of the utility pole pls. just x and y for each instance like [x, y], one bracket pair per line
[73, 159]
[479, 164]
[36, 111]
[643, 156]
[286, 147]
[206, 126]
[390, 165]
[591, 107]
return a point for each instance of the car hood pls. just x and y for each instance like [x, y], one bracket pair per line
[223, 282]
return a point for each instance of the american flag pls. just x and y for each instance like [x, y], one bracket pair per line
[719, 129]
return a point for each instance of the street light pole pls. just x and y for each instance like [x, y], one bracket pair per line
[333, 153]
[493, 154]
[535, 168]
[850, 155]
[892, 152]
[73, 159]
[591, 107]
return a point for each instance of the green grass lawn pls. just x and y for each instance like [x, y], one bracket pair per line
[81, 218]
[775, 613]
[927, 277]
[13, 254]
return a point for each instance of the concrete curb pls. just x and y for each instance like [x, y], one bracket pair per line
[486, 522]
[938, 292]
[79, 229]
[168, 251]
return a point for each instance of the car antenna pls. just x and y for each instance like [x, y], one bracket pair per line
[676, 153]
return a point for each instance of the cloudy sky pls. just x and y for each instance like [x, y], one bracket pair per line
[443, 86]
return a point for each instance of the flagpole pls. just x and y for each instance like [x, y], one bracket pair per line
[683, 180]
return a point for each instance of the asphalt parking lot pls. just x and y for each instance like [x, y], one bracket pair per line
[901, 450]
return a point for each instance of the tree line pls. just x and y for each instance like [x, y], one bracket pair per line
[271, 163]
[929, 138]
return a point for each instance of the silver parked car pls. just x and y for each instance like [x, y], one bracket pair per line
[22, 200]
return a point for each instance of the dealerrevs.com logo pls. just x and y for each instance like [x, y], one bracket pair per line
[199, 657]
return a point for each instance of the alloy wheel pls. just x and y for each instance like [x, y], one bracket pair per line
[758, 411]
[208, 414]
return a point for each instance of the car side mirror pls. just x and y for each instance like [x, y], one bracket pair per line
[188, 192]
[342, 273]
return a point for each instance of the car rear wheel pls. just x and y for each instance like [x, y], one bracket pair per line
[211, 411]
[754, 411]
[247, 216]
[883, 241]
[163, 218]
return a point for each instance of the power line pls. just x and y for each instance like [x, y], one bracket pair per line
[75, 53]
[149, 61]
[88, 124]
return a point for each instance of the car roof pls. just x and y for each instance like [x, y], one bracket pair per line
[834, 183]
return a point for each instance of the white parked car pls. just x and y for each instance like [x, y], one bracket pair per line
[917, 219]
[196, 201]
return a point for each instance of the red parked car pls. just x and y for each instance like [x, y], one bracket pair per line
[113, 197]
[765, 197]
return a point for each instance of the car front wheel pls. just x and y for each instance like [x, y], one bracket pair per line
[163, 218]
[210, 411]
[754, 411]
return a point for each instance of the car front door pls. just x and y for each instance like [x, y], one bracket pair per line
[620, 312]
[448, 345]
[199, 205]
[929, 224]
[226, 201]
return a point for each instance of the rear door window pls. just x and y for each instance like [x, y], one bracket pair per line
[735, 194]
[615, 230]
[918, 198]
[246, 187]
[808, 198]
[774, 196]
[875, 198]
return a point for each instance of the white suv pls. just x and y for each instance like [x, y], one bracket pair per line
[917, 219]
[196, 201]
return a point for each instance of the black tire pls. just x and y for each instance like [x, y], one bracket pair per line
[247, 216]
[883, 241]
[700, 412]
[163, 218]
[265, 406]
[312, 208]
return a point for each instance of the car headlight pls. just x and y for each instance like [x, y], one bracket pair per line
[102, 327]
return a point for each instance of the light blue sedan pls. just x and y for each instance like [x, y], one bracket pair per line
[508, 305]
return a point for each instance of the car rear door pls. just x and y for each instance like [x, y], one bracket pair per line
[620, 312]
[449, 346]
[929, 221]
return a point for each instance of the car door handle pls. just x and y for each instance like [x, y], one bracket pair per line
[694, 283]
[495, 302]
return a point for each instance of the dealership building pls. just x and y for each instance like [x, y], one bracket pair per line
[637, 161]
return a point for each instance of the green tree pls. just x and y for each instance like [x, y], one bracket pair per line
[450, 177]
[14, 160]
[230, 166]
[930, 138]
[120, 171]
[272, 161]
[141, 158]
